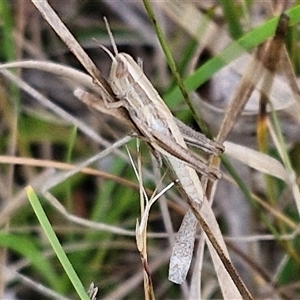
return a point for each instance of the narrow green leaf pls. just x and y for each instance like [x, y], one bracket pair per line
[38, 209]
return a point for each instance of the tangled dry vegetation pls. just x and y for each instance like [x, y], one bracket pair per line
[238, 62]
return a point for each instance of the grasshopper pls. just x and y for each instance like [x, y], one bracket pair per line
[156, 124]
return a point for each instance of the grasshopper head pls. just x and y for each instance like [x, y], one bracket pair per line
[124, 74]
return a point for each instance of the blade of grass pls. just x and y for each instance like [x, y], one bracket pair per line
[6, 28]
[40, 213]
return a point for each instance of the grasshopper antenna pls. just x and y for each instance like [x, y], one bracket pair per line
[113, 43]
[112, 40]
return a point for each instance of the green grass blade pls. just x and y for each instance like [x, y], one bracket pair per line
[7, 45]
[38, 209]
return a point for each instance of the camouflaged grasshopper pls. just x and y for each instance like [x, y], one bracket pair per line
[162, 132]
